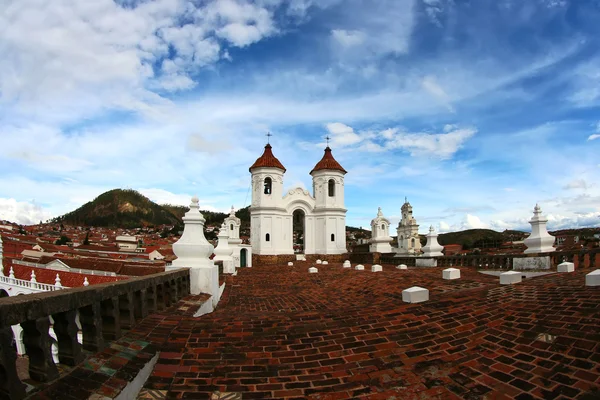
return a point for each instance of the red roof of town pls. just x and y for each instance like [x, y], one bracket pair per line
[328, 162]
[267, 160]
[67, 279]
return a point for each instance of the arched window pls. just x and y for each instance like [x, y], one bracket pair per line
[412, 242]
[268, 185]
[383, 227]
[333, 237]
[268, 237]
[231, 227]
[401, 241]
[331, 185]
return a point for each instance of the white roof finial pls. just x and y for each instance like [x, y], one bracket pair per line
[57, 281]
[33, 276]
[11, 273]
[85, 282]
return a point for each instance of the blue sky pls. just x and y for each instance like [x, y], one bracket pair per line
[474, 110]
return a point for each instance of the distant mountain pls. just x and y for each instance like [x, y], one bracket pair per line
[121, 208]
[480, 238]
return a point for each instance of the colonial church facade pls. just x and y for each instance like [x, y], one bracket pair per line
[409, 242]
[317, 220]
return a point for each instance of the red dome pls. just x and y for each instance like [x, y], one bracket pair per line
[328, 163]
[267, 160]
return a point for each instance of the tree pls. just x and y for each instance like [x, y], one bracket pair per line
[62, 241]
[86, 241]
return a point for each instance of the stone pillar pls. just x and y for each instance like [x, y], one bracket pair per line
[65, 328]
[432, 248]
[38, 345]
[10, 385]
[223, 252]
[193, 251]
[539, 241]
[91, 327]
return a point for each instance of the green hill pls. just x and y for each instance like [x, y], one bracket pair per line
[130, 209]
[480, 238]
[120, 208]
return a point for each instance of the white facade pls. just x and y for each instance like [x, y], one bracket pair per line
[223, 252]
[126, 242]
[380, 234]
[322, 215]
[540, 241]
[409, 242]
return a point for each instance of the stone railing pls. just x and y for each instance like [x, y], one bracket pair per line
[36, 286]
[585, 258]
[103, 310]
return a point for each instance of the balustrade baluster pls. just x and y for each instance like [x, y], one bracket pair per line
[65, 328]
[10, 385]
[140, 304]
[91, 327]
[111, 327]
[126, 316]
[38, 345]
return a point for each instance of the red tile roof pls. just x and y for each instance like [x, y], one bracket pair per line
[267, 160]
[67, 279]
[328, 163]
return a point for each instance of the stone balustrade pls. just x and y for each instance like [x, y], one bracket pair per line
[34, 286]
[104, 311]
[585, 258]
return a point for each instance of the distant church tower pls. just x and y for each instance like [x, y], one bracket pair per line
[409, 242]
[274, 215]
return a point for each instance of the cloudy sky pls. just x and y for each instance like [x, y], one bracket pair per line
[474, 110]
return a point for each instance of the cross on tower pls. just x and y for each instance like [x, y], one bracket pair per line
[268, 135]
[327, 138]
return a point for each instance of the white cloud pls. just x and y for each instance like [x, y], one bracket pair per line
[577, 184]
[243, 23]
[443, 227]
[342, 135]
[64, 61]
[594, 136]
[442, 145]
[432, 86]
[22, 212]
[348, 38]
[370, 30]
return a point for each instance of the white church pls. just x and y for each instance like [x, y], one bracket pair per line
[318, 219]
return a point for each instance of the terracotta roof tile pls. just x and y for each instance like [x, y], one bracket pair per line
[328, 162]
[267, 160]
[67, 279]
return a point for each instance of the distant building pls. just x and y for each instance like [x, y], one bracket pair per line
[127, 243]
[409, 242]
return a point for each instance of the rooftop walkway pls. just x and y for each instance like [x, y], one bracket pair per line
[280, 332]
